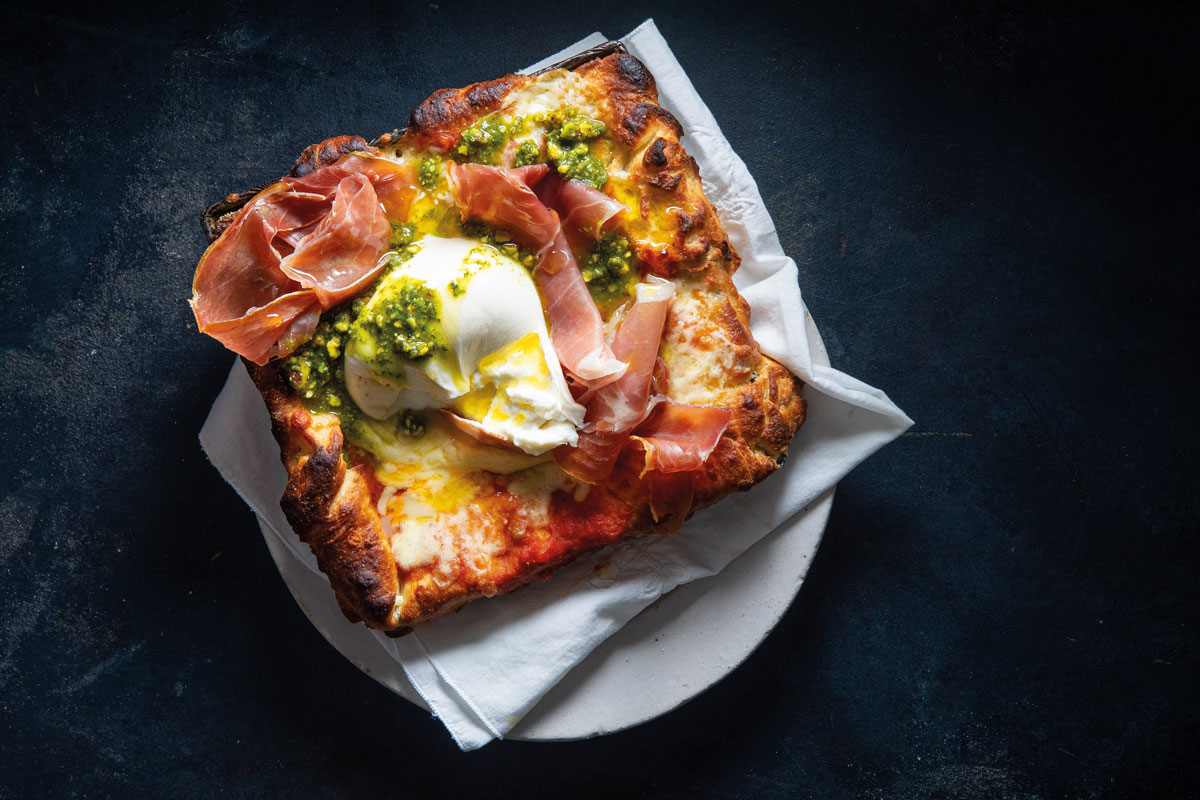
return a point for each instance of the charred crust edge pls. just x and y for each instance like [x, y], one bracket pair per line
[637, 119]
[326, 152]
[328, 505]
[656, 154]
[437, 120]
[633, 94]
[634, 73]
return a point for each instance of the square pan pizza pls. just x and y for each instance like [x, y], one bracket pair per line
[495, 340]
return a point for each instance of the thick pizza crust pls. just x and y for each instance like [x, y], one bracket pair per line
[328, 504]
[706, 343]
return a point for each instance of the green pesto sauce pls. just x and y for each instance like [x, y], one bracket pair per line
[499, 239]
[483, 141]
[334, 399]
[311, 368]
[578, 128]
[608, 269]
[401, 325]
[430, 173]
[315, 370]
[479, 258]
[404, 322]
[403, 245]
[528, 153]
[403, 234]
[568, 149]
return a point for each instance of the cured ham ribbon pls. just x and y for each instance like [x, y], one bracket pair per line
[256, 332]
[583, 210]
[676, 440]
[393, 183]
[300, 246]
[671, 495]
[679, 438]
[614, 409]
[505, 197]
[674, 437]
[340, 257]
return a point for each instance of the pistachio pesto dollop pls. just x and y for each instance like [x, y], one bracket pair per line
[608, 269]
[399, 326]
[528, 152]
[315, 370]
[430, 173]
[568, 138]
[567, 146]
[483, 141]
[310, 369]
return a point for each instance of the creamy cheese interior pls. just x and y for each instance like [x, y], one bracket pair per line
[499, 371]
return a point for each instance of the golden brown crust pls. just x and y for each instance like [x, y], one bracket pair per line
[679, 228]
[676, 232]
[763, 398]
[632, 97]
[766, 414]
[329, 505]
[437, 121]
[326, 152]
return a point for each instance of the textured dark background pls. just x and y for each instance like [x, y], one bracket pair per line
[993, 211]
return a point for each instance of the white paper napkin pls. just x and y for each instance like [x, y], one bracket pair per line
[484, 668]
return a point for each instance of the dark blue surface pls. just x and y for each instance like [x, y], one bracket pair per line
[994, 214]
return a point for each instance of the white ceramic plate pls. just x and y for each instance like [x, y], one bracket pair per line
[665, 656]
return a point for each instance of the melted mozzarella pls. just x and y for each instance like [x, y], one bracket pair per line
[699, 355]
[430, 483]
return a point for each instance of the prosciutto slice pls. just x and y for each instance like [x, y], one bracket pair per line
[678, 437]
[394, 184]
[676, 440]
[291, 214]
[583, 210]
[671, 495]
[505, 197]
[341, 255]
[614, 409]
[239, 294]
[300, 246]
[255, 333]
